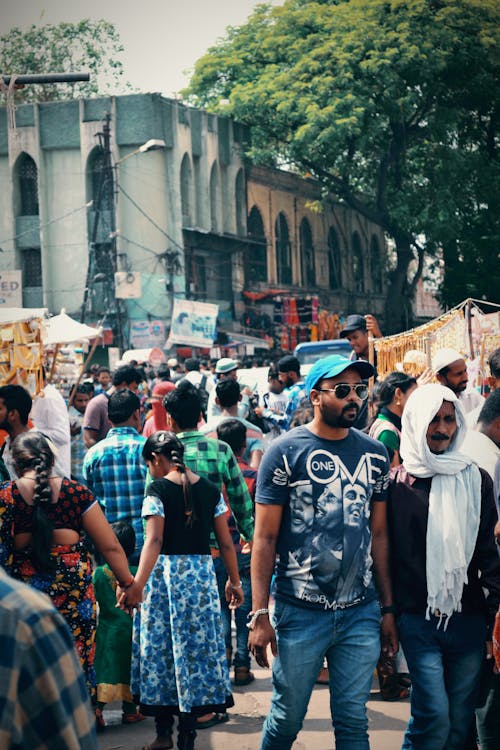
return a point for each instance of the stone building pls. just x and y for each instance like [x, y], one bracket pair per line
[160, 192]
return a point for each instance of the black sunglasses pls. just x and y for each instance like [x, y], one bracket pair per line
[342, 390]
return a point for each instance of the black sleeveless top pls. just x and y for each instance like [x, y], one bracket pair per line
[178, 537]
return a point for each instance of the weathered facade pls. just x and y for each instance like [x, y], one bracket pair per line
[168, 196]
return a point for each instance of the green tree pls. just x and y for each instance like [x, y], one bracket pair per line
[85, 46]
[392, 104]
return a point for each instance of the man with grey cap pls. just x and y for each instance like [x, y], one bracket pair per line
[320, 507]
[225, 368]
[356, 330]
[451, 371]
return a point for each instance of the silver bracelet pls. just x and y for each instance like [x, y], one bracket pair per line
[254, 616]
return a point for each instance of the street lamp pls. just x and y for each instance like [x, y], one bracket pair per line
[152, 145]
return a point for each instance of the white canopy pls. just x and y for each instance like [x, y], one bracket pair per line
[21, 314]
[61, 329]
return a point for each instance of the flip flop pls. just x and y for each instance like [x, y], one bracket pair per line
[216, 719]
[167, 745]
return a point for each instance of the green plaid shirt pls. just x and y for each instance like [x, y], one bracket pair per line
[215, 461]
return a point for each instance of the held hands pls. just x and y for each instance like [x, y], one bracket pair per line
[129, 597]
[234, 594]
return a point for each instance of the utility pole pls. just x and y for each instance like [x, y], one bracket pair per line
[105, 199]
[173, 267]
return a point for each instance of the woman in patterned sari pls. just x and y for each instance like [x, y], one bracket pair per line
[42, 518]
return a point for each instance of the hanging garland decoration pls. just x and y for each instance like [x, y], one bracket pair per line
[21, 353]
[446, 331]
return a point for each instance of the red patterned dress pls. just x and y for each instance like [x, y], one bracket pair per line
[70, 585]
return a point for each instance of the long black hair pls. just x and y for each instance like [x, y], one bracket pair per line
[388, 387]
[32, 452]
[167, 444]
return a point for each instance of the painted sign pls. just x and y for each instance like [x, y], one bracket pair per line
[11, 289]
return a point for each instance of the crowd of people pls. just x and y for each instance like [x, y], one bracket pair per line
[346, 528]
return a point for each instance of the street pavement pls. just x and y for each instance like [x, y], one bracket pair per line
[242, 732]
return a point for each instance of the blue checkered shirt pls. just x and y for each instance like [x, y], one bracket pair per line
[115, 472]
[44, 703]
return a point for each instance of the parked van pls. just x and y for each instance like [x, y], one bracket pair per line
[310, 351]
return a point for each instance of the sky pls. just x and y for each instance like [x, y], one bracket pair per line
[162, 38]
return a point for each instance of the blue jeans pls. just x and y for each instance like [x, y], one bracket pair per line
[445, 667]
[241, 655]
[350, 640]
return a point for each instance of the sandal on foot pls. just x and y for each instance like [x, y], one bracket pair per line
[132, 718]
[100, 724]
[166, 744]
[216, 719]
[323, 677]
[243, 676]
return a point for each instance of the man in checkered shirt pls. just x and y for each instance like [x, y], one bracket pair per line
[43, 695]
[210, 458]
[114, 469]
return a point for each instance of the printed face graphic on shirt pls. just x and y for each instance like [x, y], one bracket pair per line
[354, 504]
[329, 526]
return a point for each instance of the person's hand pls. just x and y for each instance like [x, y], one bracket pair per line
[497, 531]
[259, 410]
[427, 376]
[129, 598]
[260, 638]
[389, 635]
[372, 326]
[246, 547]
[234, 595]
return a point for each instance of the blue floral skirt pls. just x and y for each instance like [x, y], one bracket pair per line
[178, 652]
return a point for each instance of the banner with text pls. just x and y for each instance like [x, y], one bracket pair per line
[193, 323]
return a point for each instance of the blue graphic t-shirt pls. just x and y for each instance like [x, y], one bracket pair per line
[326, 488]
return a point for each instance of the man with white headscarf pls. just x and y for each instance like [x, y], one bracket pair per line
[441, 518]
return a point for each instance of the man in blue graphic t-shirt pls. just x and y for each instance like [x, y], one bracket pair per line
[321, 512]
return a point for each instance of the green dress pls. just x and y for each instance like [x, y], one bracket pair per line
[113, 640]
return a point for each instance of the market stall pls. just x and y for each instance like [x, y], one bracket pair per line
[64, 343]
[21, 347]
[466, 328]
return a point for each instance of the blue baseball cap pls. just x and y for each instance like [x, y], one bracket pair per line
[335, 364]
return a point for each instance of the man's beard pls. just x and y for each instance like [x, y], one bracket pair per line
[340, 420]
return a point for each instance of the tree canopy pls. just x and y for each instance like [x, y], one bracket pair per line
[85, 46]
[393, 105]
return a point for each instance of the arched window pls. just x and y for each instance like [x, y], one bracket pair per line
[214, 198]
[26, 204]
[28, 186]
[256, 255]
[334, 264]
[240, 203]
[186, 191]
[376, 263]
[283, 250]
[357, 264]
[308, 265]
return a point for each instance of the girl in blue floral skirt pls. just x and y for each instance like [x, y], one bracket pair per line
[178, 655]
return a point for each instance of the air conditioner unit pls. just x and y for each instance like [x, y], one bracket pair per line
[127, 285]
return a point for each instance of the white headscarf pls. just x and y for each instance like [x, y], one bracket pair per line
[454, 499]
